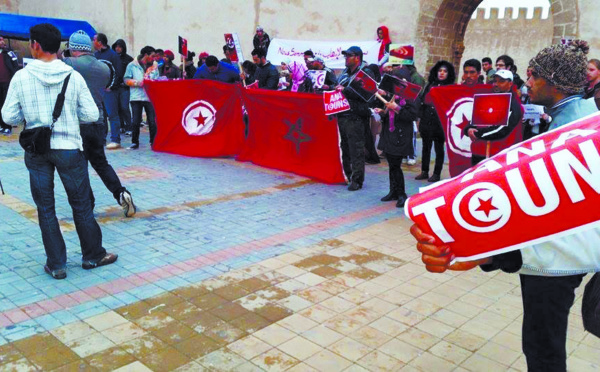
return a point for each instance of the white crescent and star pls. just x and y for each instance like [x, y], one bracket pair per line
[198, 118]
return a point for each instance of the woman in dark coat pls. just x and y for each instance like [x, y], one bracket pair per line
[430, 127]
[396, 142]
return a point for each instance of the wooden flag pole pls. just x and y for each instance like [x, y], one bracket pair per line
[487, 149]
[183, 67]
[242, 71]
[381, 98]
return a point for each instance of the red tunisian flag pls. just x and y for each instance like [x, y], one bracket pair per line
[197, 117]
[454, 106]
[290, 132]
[544, 189]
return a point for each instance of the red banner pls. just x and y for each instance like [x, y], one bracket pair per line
[454, 106]
[290, 132]
[539, 190]
[335, 102]
[197, 117]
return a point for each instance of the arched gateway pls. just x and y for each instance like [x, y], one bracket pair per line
[442, 24]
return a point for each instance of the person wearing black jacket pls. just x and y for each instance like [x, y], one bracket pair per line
[266, 74]
[8, 66]
[430, 127]
[120, 47]
[352, 123]
[261, 40]
[396, 143]
[111, 98]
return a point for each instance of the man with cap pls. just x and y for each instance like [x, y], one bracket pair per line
[169, 69]
[352, 123]
[498, 136]
[549, 272]
[97, 76]
[330, 82]
[261, 40]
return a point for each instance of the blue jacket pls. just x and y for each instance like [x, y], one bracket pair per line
[225, 74]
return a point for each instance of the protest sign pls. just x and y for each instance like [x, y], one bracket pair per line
[402, 54]
[491, 109]
[335, 102]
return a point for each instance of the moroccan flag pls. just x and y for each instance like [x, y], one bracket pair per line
[454, 106]
[290, 132]
[544, 189]
[183, 49]
[197, 117]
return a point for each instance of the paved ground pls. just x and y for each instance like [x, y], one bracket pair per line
[228, 266]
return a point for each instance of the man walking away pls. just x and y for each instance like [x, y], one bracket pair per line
[97, 75]
[31, 98]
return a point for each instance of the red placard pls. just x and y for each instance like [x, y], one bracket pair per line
[491, 109]
[536, 191]
[335, 102]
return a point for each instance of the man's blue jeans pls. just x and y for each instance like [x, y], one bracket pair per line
[111, 103]
[73, 171]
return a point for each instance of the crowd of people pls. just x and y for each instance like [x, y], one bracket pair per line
[105, 82]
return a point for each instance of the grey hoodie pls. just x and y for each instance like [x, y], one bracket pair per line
[96, 75]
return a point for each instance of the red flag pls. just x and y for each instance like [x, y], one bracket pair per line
[454, 106]
[539, 190]
[290, 132]
[183, 50]
[197, 117]
[253, 85]
[407, 90]
[232, 51]
[491, 109]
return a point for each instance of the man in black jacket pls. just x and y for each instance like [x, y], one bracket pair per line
[8, 67]
[352, 123]
[266, 74]
[111, 103]
[120, 47]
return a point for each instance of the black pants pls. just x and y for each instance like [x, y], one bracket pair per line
[352, 131]
[396, 175]
[136, 107]
[476, 159]
[371, 154]
[546, 304]
[428, 142]
[3, 92]
[93, 148]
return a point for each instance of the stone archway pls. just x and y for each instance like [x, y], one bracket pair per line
[442, 23]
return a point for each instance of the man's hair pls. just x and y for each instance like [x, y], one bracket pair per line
[102, 39]
[472, 63]
[226, 48]
[147, 50]
[47, 36]
[507, 61]
[486, 59]
[159, 51]
[309, 53]
[211, 61]
[259, 52]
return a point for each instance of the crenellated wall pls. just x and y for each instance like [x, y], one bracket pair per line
[520, 38]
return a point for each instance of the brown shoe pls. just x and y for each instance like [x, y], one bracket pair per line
[422, 176]
[106, 260]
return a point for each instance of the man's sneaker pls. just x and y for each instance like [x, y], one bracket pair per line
[134, 146]
[113, 146]
[56, 274]
[412, 161]
[6, 131]
[126, 201]
[128, 133]
[106, 260]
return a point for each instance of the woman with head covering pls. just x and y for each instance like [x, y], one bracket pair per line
[430, 127]
[297, 71]
[383, 36]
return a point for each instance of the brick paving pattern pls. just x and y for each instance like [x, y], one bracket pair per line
[232, 267]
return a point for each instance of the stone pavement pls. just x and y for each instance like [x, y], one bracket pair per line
[228, 266]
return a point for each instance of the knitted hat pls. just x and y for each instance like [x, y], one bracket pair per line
[563, 65]
[80, 42]
[169, 54]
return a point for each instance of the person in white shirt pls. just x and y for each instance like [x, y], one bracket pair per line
[31, 98]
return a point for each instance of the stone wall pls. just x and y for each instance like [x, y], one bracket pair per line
[520, 38]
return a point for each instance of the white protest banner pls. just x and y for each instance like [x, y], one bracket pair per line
[335, 102]
[330, 51]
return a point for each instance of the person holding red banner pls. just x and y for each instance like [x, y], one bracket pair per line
[352, 123]
[266, 74]
[212, 69]
[396, 143]
[430, 126]
[549, 272]
[490, 140]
